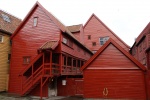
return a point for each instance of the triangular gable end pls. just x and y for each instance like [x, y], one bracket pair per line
[102, 49]
[93, 15]
[55, 20]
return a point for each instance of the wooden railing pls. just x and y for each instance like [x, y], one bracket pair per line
[70, 70]
[45, 70]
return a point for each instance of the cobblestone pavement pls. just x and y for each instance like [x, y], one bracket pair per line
[8, 96]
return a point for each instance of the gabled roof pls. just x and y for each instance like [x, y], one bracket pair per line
[74, 28]
[62, 27]
[8, 22]
[93, 15]
[111, 41]
[49, 45]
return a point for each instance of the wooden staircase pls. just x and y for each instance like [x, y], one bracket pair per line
[37, 72]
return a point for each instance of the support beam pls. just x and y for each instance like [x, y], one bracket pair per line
[60, 63]
[41, 90]
[50, 63]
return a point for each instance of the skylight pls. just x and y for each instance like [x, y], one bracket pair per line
[5, 18]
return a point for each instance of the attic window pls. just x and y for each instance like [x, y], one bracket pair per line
[1, 38]
[103, 40]
[94, 43]
[35, 21]
[5, 18]
[89, 37]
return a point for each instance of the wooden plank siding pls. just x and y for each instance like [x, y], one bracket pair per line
[121, 84]
[4, 62]
[115, 70]
[119, 61]
[97, 29]
[73, 87]
[76, 50]
[26, 43]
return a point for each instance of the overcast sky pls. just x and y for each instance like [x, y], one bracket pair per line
[126, 18]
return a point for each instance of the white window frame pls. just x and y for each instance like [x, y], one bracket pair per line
[103, 39]
[2, 38]
[65, 40]
[35, 21]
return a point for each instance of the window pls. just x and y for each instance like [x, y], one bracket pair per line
[35, 21]
[26, 60]
[89, 37]
[79, 63]
[94, 43]
[9, 56]
[5, 18]
[65, 40]
[1, 38]
[103, 40]
[94, 51]
[69, 61]
[64, 60]
[74, 63]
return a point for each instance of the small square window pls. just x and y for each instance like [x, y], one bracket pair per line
[1, 38]
[35, 21]
[26, 60]
[89, 37]
[94, 43]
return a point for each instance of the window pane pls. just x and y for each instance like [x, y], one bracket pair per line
[1, 38]
[5, 18]
[65, 40]
[89, 37]
[103, 40]
[35, 21]
[26, 60]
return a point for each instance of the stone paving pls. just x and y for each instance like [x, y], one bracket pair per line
[8, 96]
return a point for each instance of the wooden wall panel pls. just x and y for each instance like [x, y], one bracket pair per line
[4, 63]
[26, 43]
[73, 87]
[96, 29]
[74, 51]
[112, 58]
[126, 84]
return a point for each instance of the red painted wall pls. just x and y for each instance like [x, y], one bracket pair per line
[114, 71]
[96, 29]
[74, 86]
[121, 84]
[27, 41]
[111, 57]
[74, 50]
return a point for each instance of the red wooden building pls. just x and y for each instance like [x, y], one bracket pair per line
[44, 52]
[141, 51]
[96, 33]
[113, 73]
